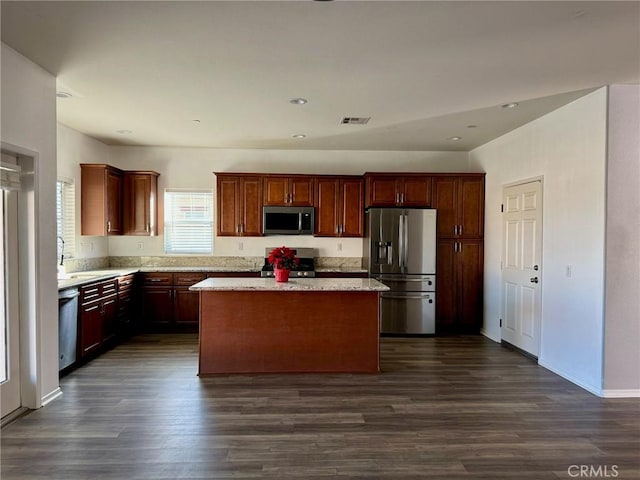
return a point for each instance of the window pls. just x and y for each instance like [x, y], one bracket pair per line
[66, 218]
[188, 221]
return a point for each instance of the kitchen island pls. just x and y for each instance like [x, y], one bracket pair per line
[256, 325]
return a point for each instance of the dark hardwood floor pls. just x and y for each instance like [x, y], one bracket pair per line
[451, 407]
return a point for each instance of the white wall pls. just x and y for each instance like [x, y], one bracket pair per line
[622, 301]
[568, 148]
[193, 167]
[29, 123]
[75, 148]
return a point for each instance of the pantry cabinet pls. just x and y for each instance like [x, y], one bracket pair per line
[408, 190]
[239, 205]
[339, 207]
[460, 204]
[140, 205]
[101, 196]
[295, 191]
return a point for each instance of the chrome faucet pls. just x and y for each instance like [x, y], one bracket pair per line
[61, 250]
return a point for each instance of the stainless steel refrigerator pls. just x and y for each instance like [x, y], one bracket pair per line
[400, 251]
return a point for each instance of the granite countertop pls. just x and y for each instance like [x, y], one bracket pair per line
[200, 269]
[294, 284]
[77, 279]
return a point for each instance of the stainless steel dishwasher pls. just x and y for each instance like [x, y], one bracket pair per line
[67, 327]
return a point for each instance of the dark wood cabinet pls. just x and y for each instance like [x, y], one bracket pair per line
[460, 286]
[127, 296]
[239, 205]
[460, 204]
[168, 305]
[101, 196]
[285, 190]
[140, 206]
[98, 315]
[408, 190]
[339, 207]
[459, 200]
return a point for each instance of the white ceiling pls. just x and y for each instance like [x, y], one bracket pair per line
[423, 71]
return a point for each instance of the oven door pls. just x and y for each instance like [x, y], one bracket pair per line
[408, 312]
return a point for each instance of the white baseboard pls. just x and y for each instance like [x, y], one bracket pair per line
[490, 337]
[620, 393]
[597, 391]
[50, 397]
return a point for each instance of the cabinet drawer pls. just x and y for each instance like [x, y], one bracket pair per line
[187, 278]
[108, 288]
[89, 293]
[158, 278]
[125, 282]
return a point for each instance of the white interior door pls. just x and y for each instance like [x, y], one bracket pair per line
[10, 399]
[521, 266]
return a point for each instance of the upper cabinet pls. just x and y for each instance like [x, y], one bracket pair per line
[101, 197]
[385, 190]
[293, 190]
[459, 200]
[140, 207]
[239, 205]
[339, 207]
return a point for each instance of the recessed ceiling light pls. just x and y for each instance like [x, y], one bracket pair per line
[455, 139]
[298, 101]
[124, 132]
[471, 126]
[299, 135]
[195, 121]
[63, 94]
[509, 105]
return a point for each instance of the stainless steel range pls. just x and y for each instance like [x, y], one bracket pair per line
[304, 269]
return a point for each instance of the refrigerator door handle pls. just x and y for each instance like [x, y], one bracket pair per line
[401, 241]
[405, 253]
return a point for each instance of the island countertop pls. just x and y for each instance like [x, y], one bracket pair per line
[293, 285]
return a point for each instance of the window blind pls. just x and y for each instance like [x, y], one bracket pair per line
[9, 172]
[188, 221]
[66, 218]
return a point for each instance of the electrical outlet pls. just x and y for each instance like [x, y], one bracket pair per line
[240, 246]
[569, 271]
[91, 246]
[140, 245]
[339, 246]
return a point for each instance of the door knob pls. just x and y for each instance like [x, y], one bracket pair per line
[534, 279]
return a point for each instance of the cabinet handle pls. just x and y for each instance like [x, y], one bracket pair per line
[148, 227]
[455, 247]
[455, 229]
[397, 198]
[242, 228]
[459, 247]
[337, 228]
[238, 228]
[108, 226]
[402, 198]
[459, 229]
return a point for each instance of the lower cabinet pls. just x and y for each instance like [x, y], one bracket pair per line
[127, 296]
[459, 292]
[167, 303]
[98, 315]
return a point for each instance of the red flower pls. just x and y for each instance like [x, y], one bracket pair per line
[283, 257]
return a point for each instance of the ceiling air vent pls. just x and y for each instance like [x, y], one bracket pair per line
[355, 120]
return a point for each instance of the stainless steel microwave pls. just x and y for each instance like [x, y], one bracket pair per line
[287, 220]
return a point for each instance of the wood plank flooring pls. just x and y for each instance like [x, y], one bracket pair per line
[451, 407]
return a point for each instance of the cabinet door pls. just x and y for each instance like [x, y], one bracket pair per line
[446, 291]
[251, 206]
[186, 307]
[445, 201]
[228, 207]
[90, 327]
[471, 207]
[140, 203]
[352, 210]
[301, 191]
[382, 191]
[276, 190]
[157, 307]
[327, 207]
[109, 318]
[469, 285]
[114, 202]
[416, 192]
